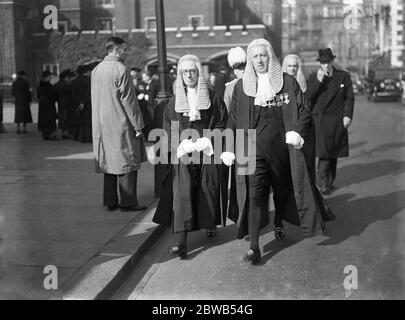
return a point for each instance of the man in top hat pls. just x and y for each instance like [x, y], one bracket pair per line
[330, 92]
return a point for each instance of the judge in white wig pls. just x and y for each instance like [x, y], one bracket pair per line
[237, 61]
[272, 103]
[194, 193]
[292, 65]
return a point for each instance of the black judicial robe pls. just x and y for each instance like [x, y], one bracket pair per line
[306, 207]
[206, 209]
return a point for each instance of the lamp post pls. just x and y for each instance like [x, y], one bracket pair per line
[164, 94]
[163, 70]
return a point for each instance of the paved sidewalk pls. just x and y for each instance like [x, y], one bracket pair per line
[51, 214]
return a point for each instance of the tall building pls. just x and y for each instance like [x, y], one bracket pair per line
[397, 47]
[343, 25]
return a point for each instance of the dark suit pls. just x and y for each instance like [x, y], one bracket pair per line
[81, 94]
[332, 100]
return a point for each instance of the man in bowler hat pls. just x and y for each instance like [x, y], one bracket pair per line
[331, 93]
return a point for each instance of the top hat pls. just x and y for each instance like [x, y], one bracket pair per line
[325, 55]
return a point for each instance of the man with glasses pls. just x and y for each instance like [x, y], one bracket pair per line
[193, 191]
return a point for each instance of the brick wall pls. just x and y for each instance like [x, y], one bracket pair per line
[177, 11]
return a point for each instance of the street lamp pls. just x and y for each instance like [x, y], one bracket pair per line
[164, 94]
[163, 70]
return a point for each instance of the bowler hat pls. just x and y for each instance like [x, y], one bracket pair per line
[325, 55]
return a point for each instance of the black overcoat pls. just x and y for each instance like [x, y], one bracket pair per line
[81, 94]
[211, 201]
[331, 100]
[22, 95]
[47, 114]
[64, 99]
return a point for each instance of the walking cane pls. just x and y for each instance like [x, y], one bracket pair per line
[228, 204]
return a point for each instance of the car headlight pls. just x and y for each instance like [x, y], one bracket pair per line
[382, 85]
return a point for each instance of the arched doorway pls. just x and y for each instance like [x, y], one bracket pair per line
[153, 63]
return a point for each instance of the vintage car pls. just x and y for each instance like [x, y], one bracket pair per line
[384, 83]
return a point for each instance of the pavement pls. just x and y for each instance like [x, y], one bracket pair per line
[364, 248]
[51, 215]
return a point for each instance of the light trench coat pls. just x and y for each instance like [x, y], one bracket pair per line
[115, 117]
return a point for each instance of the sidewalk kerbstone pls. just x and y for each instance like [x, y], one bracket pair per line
[105, 272]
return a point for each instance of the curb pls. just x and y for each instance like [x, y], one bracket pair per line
[108, 292]
[101, 276]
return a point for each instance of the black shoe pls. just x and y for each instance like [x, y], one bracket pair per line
[279, 233]
[180, 251]
[133, 208]
[113, 208]
[252, 256]
[211, 233]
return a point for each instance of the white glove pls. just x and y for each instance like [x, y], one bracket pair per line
[186, 146]
[228, 158]
[293, 138]
[141, 96]
[204, 144]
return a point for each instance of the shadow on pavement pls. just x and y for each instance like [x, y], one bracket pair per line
[357, 145]
[354, 216]
[358, 172]
[382, 148]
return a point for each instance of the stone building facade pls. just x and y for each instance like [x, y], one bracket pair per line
[207, 28]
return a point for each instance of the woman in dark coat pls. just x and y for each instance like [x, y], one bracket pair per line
[22, 95]
[193, 193]
[47, 114]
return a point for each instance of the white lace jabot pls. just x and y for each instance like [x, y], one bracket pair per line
[192, 100]
[264, 90]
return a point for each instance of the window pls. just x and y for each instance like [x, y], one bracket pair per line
[51, 67]
[325, 12]
[195, 21]
[104, 24]
[104, 3]
[150, 23]
[63, 26]
[286, 16]
[268, 19]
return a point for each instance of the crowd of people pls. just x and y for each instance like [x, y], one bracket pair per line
[64, 106]
[296, 121]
